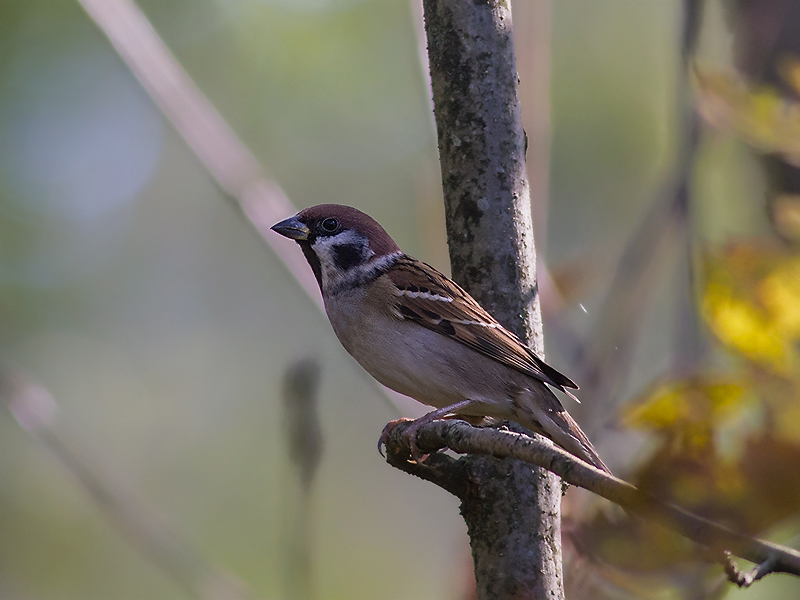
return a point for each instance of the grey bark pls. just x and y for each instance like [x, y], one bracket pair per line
[512, 510]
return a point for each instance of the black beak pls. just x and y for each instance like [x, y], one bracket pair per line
[292, 228]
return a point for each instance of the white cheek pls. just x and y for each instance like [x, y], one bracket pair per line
[329, 272]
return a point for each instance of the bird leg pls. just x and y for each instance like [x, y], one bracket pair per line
[410, 434]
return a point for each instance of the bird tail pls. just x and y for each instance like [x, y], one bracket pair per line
[542, 412]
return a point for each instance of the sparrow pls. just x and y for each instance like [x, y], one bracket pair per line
[419, 333]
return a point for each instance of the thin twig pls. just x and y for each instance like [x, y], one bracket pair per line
[228, 160]
[465, 439]
[690, 345]
[35, 410]
[606, 359]
[233, 167]
[745, 579]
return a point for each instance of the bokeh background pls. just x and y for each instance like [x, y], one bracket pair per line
[162, 326]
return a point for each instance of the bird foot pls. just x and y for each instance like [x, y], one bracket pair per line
[409, 435]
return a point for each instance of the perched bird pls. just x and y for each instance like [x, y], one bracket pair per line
[419, 333]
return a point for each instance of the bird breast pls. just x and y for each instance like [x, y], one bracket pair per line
[415, 361]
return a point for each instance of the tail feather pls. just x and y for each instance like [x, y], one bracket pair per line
[543, 412]
[584, 448]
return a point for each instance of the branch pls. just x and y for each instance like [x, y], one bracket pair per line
[605, 359]
[745, 579]
[234, 169]
[35, 410]
[465, 439]
[514, 531]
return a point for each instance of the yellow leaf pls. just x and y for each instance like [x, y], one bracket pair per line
[748, 302]
[741, 325]
[662, 410]
[688, 410]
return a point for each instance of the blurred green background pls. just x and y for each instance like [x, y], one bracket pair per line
[163, 326]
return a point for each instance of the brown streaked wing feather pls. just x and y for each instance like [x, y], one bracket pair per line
[464, 320]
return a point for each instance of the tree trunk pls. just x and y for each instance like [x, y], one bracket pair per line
[512, 511]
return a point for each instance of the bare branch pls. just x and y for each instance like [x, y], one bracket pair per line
[465, 439]
[228, 160]
[231, 164]
[35, 410]
[606, 358]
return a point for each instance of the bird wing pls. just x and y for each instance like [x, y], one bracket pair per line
[429, 298]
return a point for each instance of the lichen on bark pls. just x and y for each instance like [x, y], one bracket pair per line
[512, 511]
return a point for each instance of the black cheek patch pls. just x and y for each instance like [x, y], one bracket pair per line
[347, 256]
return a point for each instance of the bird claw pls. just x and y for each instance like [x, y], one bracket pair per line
[387, 431]
[409, 435]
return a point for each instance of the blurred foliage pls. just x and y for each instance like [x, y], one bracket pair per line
[751, 302]
[767, 119]
[726, 442]
[761, 116]
[163, 329]
[686, 411]
[785, 214]
[723, 437]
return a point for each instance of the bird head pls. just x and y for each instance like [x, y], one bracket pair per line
[340, 243]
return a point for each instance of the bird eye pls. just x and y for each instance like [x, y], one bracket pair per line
[330, 225]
